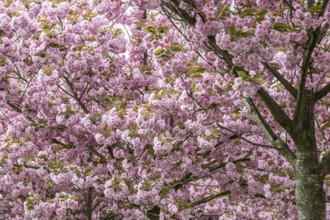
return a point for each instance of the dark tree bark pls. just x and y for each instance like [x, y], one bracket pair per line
[310, 196]
[153, 214]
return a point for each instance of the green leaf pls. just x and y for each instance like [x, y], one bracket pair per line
[249, 11]
[162, 93]
[242, 73]
[118, 32]
[281, 27]
[315, 8]
[196, 75]
[244, 34]
[161, 138]
[225, 10]
[257, 78]
[3, 159]
[194, 87]
[165, 191]
[232, 30]
[162, 29]
[182, 204]
[159, 51]
[150, 29]
[42, 121]
[3, 61]
[175, 47]
[261, 13]
[147, 185]
[198, 69]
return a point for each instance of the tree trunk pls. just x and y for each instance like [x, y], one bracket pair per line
[89, 209]
[310, 197]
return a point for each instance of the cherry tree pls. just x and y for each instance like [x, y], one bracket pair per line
[164, 109]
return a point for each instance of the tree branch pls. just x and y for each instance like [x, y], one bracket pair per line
[89, 209]
[221, 165]
[207, 199]
[304, 71]
[322, 92]
[310, 3]
[188, 177]
[100, 156]
[281, 79]
[314, 39]
[14, 107]
[75, 96]
[325, 164]
[207, 152]
[323, 7]
[153, 214]
[25, 90]
[244, 139]
[174, 6]
[277, 142]
[224, 55]
[276, 110]
[289, 4]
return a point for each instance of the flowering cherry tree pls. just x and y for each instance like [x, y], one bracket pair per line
[164, 109]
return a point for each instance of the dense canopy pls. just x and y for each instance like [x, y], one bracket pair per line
[164, 109]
